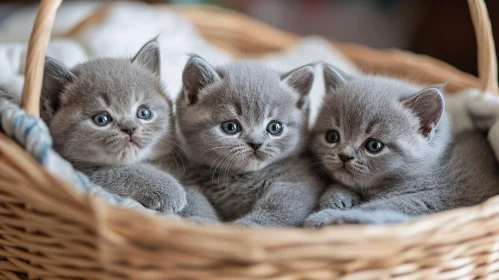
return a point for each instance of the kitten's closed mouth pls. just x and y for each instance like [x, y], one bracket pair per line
[130, 142]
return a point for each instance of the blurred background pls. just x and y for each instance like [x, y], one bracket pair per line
[439, 28]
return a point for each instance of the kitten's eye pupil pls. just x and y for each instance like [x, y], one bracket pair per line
[332, 136]
[231, 127]
[102, 119]
[374, 146]
[144, 113]
[274, 128]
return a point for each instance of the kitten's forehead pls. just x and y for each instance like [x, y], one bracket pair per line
[368, 104]
[254, 91]
[113, 83]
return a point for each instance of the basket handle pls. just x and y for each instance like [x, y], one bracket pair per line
[487, 60]
[35, 61]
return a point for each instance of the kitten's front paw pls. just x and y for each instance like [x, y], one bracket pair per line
[318, 219]
[169, 197]
[336, 217]
[340, 199]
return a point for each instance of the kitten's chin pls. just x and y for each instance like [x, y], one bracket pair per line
[347, 178]
[132, 153]
[344, 177]
[252, 165]
[255, 166]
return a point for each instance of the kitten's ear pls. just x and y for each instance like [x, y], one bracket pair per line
[198, 73]
[55, 77]
[149, 56]
[300, 79]
[428, 106]
[333, 77]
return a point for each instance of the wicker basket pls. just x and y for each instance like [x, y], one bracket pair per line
[48, 231]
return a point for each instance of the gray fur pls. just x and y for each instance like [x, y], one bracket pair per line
[270, 186]
[198, 208]
[337, 196]
[118, 86]
[356, 216]
[421, 170]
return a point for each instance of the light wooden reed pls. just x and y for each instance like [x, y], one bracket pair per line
[487, 60]
[35, 61]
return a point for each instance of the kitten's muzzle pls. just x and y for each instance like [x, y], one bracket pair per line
[128, 127]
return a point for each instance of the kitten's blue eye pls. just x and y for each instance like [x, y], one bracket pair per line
[332, 136]
[374, 146]
[102, 119]
[144, 113]
[274, 128]
[231, 127]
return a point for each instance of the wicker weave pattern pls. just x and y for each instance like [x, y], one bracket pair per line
[47, 231]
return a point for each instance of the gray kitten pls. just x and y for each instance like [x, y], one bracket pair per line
[387, 144]
[110, 117]
[242, 126]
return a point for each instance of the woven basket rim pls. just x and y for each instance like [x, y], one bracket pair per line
[105, 213]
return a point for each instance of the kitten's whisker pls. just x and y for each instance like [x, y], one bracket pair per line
[223, 154]
[181, 149]
[170, 159]
[229, 161]
[210, 149]
[204, 158]
[221, 162]
[175, 156]
[222, 167]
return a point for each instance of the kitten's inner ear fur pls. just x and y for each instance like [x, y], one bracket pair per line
[428, 106]
[198, 73]
[333, 77]
[300, 79]
[149, 56]
[56, 77]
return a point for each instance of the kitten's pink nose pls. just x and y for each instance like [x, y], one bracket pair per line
[345, 158]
